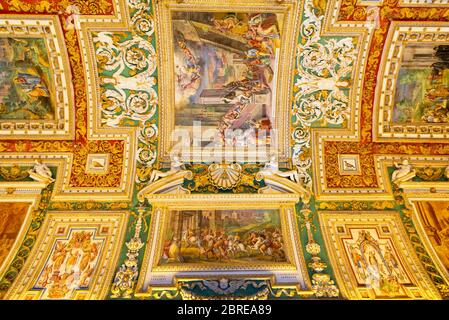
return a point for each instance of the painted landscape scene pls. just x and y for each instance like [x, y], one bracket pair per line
[25, 78]
[422, 91]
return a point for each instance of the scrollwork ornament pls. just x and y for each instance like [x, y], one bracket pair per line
[429, 173]
[322, 82]
[126, 277]
[323, 286]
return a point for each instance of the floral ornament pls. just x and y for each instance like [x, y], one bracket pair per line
[127, 80]
[308, 111]
[321, 85]
[322, 285]
[301, 135]
[146, 150]
[126, 277]
[146, 154]
[336, 112]
[134, 57]
[125, 60]
[141, 19]
[127, 64]
[322, 68]
[141, 105]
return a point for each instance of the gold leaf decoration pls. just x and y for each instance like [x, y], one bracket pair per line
[14, 173]
[429, 173]
[225, 176]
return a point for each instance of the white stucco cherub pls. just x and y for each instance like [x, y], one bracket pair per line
[41, 173]
[404, 172]
[272, 168]
[175, 167]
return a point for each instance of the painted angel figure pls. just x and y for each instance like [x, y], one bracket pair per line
[41, 173]
[175, 167]
[403, 172]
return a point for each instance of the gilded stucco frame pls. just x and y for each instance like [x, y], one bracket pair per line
[49, 29]
[290, 273]
[399, 36]
[22, 288]
[163, 213]
[435, 191]
[421, 287]
[163, 9]
[26, 192]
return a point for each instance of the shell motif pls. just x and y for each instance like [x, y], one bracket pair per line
[225, 176]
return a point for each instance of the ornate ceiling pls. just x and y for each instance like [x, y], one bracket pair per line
[196, 149]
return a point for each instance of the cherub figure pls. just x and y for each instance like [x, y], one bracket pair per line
[404, 172]
[272, 168]
[227, 23]
[175, 167]
[41, 173]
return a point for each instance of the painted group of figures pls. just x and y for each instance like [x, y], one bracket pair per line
[260, 35]
[438, 94]
[422, 93]
[376, 265]
[443, 248]
[70, 265]
[217, 246]
[436, 101]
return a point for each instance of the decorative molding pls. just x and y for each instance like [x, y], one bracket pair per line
[49, 29]
[59, 231]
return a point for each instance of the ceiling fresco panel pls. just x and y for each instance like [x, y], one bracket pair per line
[433, 216]
[37, 94]
[368, 248]
[73, 257]
[202, 149]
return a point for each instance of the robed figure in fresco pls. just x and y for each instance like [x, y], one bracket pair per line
[223, 236]
[225, 66]
[422, 91]
[376, 264]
